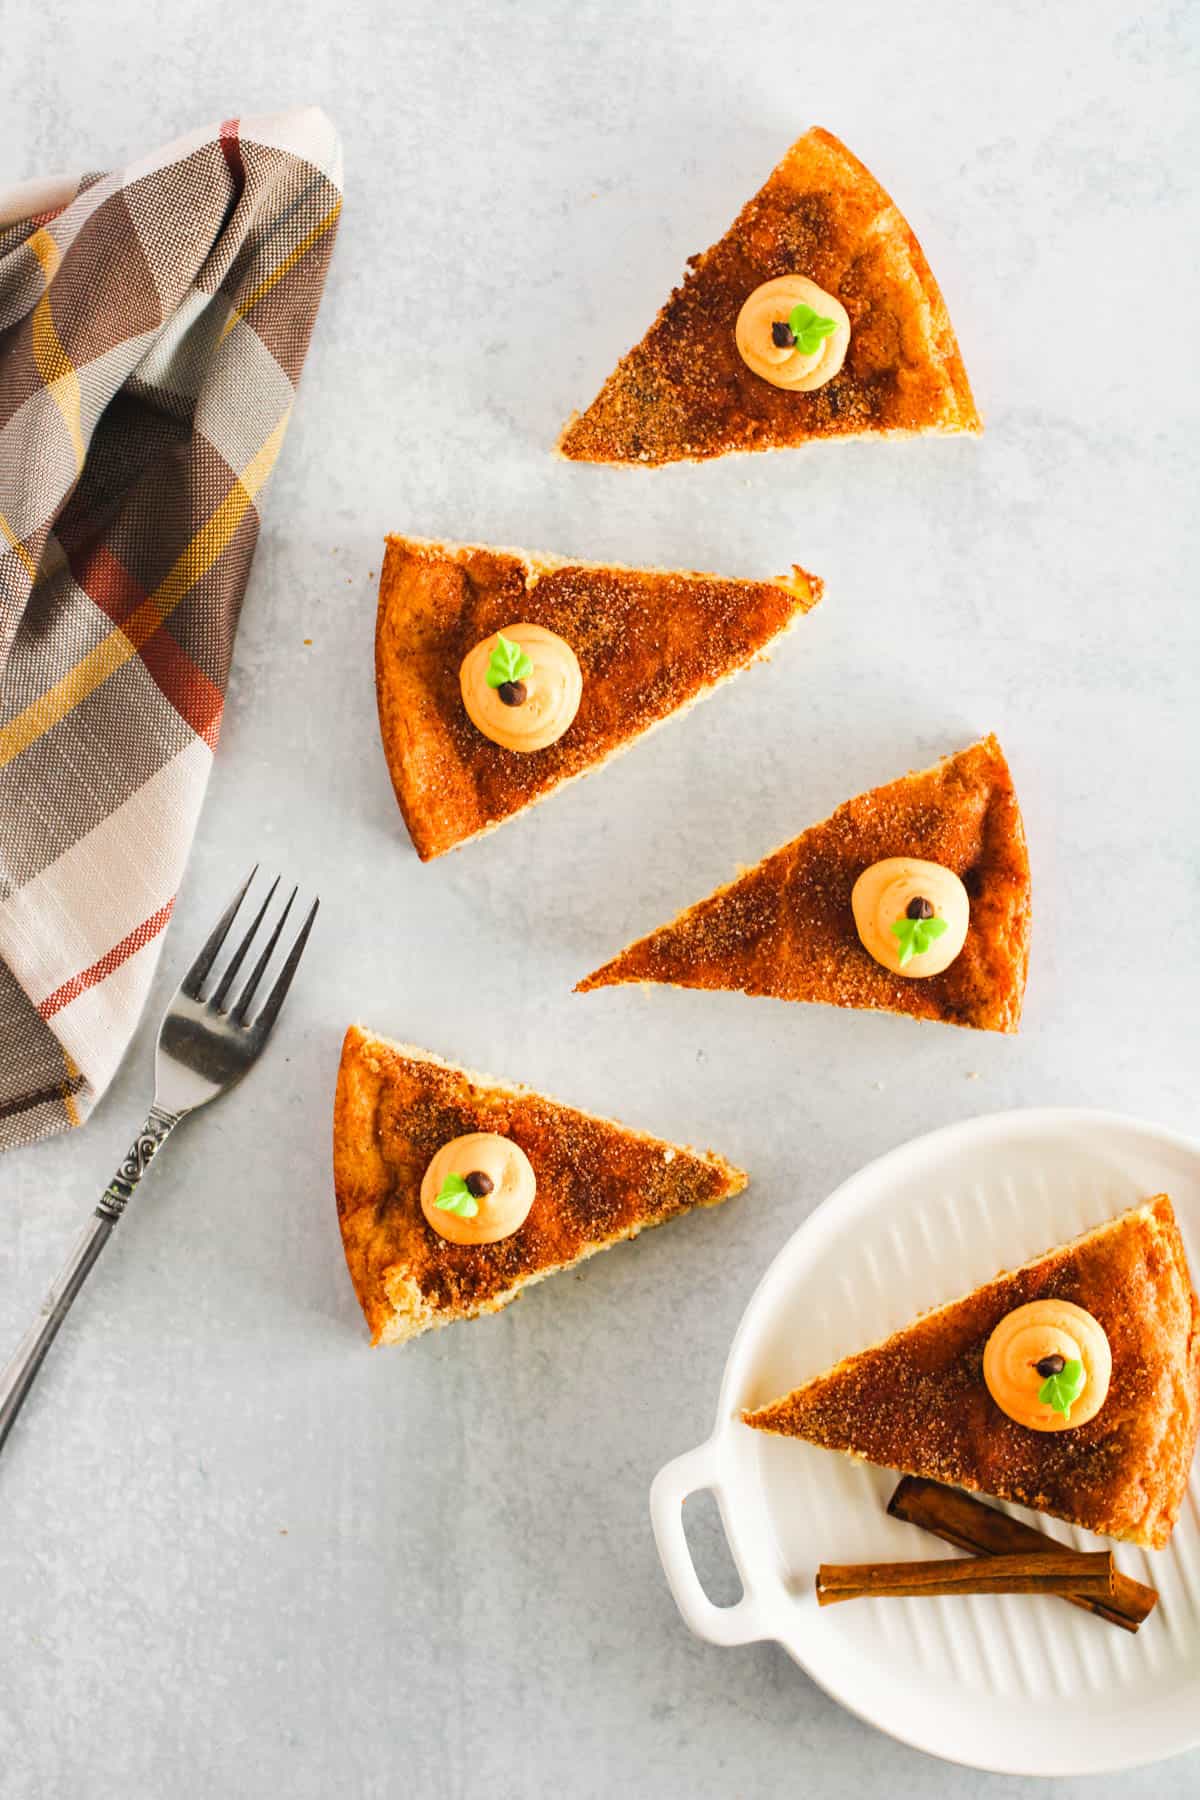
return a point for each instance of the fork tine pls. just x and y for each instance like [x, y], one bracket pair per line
[194, 979]
[217, 998]
[283, 980]
[247, 994]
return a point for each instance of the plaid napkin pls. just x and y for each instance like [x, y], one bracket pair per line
[153, 324]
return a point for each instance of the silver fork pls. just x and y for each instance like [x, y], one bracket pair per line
[204, 1046]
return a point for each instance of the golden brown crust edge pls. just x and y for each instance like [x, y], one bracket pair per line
[395, 1104]
[968, 419]
[437, 598]
[916, 1401]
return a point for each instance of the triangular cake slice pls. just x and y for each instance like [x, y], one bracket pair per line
[649, 643]
[597, 1183]
[785, 927]
[918, 1401]
[685, 394]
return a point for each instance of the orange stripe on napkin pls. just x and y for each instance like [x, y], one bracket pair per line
[231, 149]
[122, 644]
[104, 965]
[106, 581]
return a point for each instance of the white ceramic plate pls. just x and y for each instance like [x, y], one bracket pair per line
[1023, 1685]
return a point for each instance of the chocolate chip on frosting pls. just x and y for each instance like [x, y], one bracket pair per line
[497, 1174]
[1036, 1341]
[770, 348]
[908, 887]
[533, 712]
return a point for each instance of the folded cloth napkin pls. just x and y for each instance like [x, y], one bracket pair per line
[153, 323]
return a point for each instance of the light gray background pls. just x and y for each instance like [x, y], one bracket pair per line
[242, 1555]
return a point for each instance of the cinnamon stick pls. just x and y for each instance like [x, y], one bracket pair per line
[969, 1524]
[1058, 1571]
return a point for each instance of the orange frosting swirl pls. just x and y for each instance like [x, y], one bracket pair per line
[552, 691]
[880, 898]
[1027, 1336]
[786, 365]
[501, 1211]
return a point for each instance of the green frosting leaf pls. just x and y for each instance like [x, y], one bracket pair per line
[809, 328]
[508, 662]
[1061, 1391]
[456, 1197]
[916, 935]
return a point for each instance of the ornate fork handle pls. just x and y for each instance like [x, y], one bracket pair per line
[145, 1146]
[18, 1377]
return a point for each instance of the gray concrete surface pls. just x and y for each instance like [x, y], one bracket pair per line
[240, 1554]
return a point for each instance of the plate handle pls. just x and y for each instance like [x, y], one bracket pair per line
[690, 1474]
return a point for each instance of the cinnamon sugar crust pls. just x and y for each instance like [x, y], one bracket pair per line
[786, 929]
[918, 1402]
[650, 642]
[684, 393]
[597, 1183]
